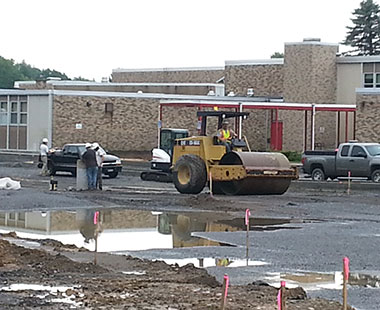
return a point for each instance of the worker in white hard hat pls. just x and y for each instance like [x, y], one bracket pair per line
[44, 150]
[89, 159]
[99, 159]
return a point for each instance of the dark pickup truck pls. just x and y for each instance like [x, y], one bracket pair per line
[66, 160]
[356, 159]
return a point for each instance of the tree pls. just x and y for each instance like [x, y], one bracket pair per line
[277, 55]
[8, 73]
[11, 72]
[364, 35]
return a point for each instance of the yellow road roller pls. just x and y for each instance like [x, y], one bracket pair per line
[201, 160]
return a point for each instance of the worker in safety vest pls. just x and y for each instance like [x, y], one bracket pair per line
[225, 136]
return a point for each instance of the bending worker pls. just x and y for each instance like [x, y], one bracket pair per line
[225, 136]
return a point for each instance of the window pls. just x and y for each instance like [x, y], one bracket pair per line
[358, 151]
[23, 112]
[14, 110]
[373, 150]
[371, 75]
[3, 113]
[344, 151]
[72, 150]
[109, 107]
[13, 122]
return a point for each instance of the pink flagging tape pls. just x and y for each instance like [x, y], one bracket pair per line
[227, 282]
[279, 296]
[346, 263]
[96, 217]
[279, 299]
[247, 215]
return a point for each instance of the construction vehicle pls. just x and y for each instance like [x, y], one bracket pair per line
[200, 161]
[162, 156]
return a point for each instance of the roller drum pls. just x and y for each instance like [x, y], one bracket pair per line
[257, 183]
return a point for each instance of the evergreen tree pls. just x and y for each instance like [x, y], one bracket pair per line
[277, 55]
[364, 35]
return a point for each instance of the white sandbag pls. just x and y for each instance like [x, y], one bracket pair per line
[8, 183]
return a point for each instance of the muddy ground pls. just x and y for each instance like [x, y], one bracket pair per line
[124, 282]
[119, 282]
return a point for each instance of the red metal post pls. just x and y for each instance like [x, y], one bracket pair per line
[338, 134]
[305, 132]
[346, 129]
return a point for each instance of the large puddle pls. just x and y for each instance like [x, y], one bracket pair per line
[129, 230]
[124, 231]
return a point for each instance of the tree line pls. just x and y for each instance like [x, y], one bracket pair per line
[11, 72]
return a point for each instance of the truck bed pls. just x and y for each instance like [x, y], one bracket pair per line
[321, 153]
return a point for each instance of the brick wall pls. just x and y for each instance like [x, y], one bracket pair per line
[131, 127]
[310, 76]
[367, 117]
[266, 80]
[168, 76]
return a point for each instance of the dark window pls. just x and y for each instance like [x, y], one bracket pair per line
[357, 151]
[72, 150]
[109, 107]
[344, 151]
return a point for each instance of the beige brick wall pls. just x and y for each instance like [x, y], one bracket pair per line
[367, 118]
[131, 127]
[310, 76]
[266, 80]
[169, 76]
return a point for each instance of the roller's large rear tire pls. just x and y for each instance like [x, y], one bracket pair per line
[189, 174]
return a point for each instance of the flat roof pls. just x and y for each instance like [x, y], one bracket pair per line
[255, 62]
[83, 93]
[265, 105]
[357, 59]
[24, 92]
[312, 43]
[120, 70]
[194, 100]
[110, 84]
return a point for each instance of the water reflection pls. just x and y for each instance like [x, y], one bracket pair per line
[317, 281]
[128, 230]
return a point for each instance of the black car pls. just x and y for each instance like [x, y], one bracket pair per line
[66, 160]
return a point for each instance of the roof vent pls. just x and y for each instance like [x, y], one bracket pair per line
[231, 94]
[211, 93]
[250, 92]
[312, 39]
[53, 78]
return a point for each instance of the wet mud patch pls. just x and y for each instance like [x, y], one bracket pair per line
[120, 282]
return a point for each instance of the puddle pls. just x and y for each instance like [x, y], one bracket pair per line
[129, 230]
[212, 262]
[48, 290]
[318, 281]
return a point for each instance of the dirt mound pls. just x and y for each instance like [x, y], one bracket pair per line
[120, 282]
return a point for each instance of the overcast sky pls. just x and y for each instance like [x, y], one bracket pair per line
[89, 38]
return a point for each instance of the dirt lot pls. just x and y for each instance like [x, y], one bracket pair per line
[119, 282]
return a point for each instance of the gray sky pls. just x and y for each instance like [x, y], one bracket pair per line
[89, 38]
